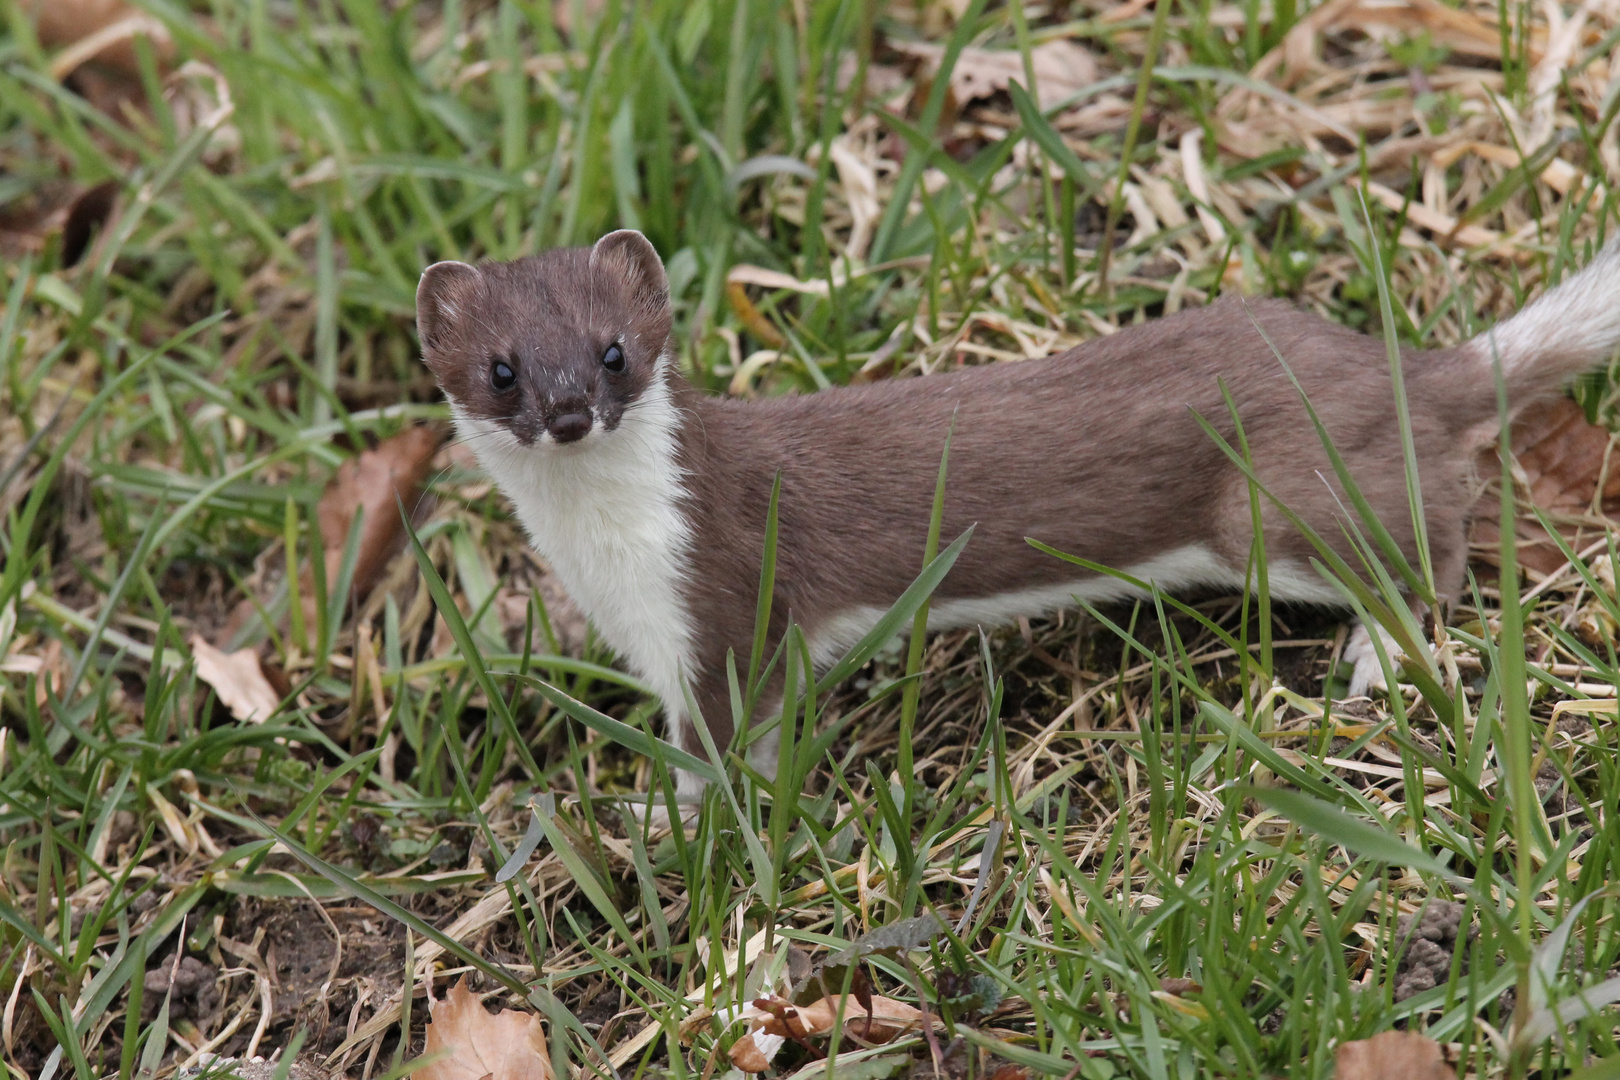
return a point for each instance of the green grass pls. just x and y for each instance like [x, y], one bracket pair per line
[1091, 806]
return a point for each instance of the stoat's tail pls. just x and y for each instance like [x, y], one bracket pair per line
[1571, 329]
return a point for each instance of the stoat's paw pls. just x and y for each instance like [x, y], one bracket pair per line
[652, 811]
[1367, 674]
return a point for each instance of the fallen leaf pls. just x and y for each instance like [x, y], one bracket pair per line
[368, 485]
[1062, 69]
[1392, 1055]
[99, 30]
[56, 206]
[887, 1021]
[1563, 458]
[774, 1020]
[755, 1051]
[237, 679]
[467, 1042]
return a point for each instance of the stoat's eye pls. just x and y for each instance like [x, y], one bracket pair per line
[613, 358]
[501, 375]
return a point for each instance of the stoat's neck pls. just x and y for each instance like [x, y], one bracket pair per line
[607, 514]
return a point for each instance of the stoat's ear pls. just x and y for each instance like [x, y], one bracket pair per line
[631, 256]
[441, 296]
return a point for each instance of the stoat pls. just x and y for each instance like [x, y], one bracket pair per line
[649, 499]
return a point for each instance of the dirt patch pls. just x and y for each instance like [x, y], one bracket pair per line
[190, 986]
[312, 985]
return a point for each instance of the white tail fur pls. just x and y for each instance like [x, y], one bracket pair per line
[1569, 330]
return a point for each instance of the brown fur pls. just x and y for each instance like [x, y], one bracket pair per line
[1094, 452]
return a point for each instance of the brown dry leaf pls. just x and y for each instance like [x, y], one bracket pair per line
[369, 484]
[100, 30]
[56, 207]
[26, 220]
[1564, 457]
[1062, 68]
[1392, 1055]
[755, 1051]
[889, 1019]
[473, 1044]
[774, 1020]
[237, 679]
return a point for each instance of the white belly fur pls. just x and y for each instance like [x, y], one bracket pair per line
[1190, 567]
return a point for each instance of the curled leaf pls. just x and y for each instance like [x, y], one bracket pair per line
[100, 30]
[870, 1020]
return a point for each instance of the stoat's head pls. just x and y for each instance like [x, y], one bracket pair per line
[552, 348]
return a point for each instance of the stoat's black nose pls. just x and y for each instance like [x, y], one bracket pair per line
[570, 427]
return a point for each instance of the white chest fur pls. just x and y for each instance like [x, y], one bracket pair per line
[605, 513]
